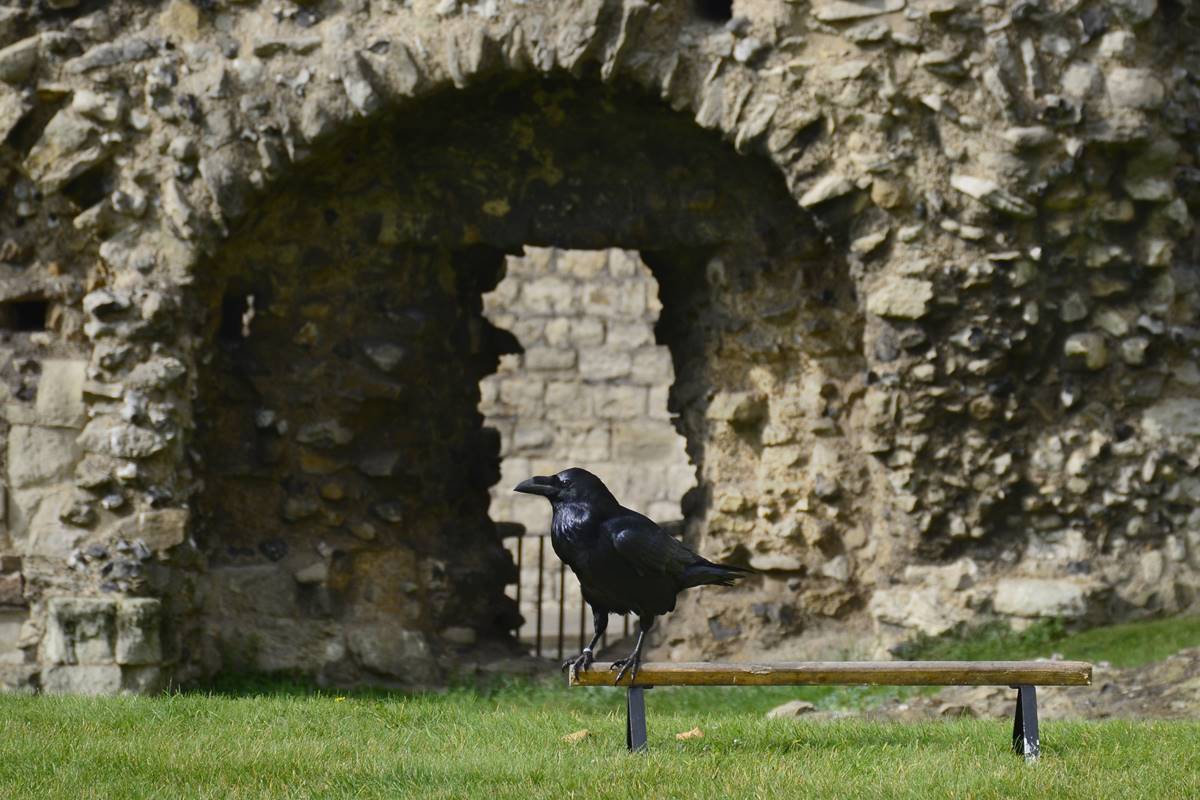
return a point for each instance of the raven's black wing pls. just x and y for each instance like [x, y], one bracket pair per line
[647, 548]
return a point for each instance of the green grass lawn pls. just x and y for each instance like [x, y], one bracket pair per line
[506, 741]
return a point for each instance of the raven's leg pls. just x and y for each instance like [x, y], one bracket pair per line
[584, 659]
[635, 658]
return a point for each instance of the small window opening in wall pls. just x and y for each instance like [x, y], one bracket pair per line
[24, 315]
[714, 10]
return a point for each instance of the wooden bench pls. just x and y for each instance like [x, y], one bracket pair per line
[1024, 676]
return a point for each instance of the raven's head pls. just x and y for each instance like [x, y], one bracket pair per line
[572, 485]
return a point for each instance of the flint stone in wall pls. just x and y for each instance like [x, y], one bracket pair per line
[384, 355]
[18, 60]
[138, 631]
[956, 576]
[38, 455]
[903, 298]
[1178, 416]
[156, 373]
[159, 529]
[828, 188]
[326, 433]
[60, 393]
[929, 610]
[13, 108]
[1035, 597]
[736, 407]
[111, 54]
[846, 10]
[80, 630]
[1134, 88]
[69, 146]
[781, 561]
[113, 437]
[222, 172]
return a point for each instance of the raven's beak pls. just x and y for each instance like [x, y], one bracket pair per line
[545, 485]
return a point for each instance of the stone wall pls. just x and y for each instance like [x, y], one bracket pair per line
[929, 282]
[590, 389]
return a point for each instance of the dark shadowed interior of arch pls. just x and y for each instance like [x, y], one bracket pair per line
[344, 462]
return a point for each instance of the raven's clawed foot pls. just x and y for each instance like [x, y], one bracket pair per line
[625, 665]
[578, 663]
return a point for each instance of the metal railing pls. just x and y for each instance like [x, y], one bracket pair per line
[551, 634]
[550, 613]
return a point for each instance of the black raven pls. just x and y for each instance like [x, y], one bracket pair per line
[625, 563]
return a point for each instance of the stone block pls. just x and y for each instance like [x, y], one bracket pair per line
[549, 358]
[38, 455]
[736, 407]
[522, 393]
[548, 295]
[567, 400]
[556, 332]
[626, 264]
[139, 623]
[18, 678]
[586, 444]
[149, 679]
[903, 298]
[629, 335]
[601, 364]
[11, 621]
[531, 436]
[80, 630]
[657, 401]
[1134, 88]
[588, 332]
[1036, 597]
[392, 651]
[620, 402]
[37, 520]
[652, 366]
[615, 302]
[258, 590]
[159, 529]
[1179, 416]
[112, 437]
[1087, 349]
[925, 610]
[60, 393]
[92, 679]
[647, 442]
[583, 265]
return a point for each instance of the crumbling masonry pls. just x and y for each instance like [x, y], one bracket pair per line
[928, 274]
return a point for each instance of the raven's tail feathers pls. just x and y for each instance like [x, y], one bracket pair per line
[706, 573]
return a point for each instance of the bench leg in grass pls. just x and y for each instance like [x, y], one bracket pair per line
[635, 719]
[1025, 739]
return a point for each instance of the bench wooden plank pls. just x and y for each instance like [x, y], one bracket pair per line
[875, 673]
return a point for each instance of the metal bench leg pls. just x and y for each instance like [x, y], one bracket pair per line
[1025, 739]
[635, 719]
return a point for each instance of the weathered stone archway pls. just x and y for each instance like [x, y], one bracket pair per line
[990, 411]
[344, 464]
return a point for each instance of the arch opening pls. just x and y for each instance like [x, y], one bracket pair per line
[345, 463]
